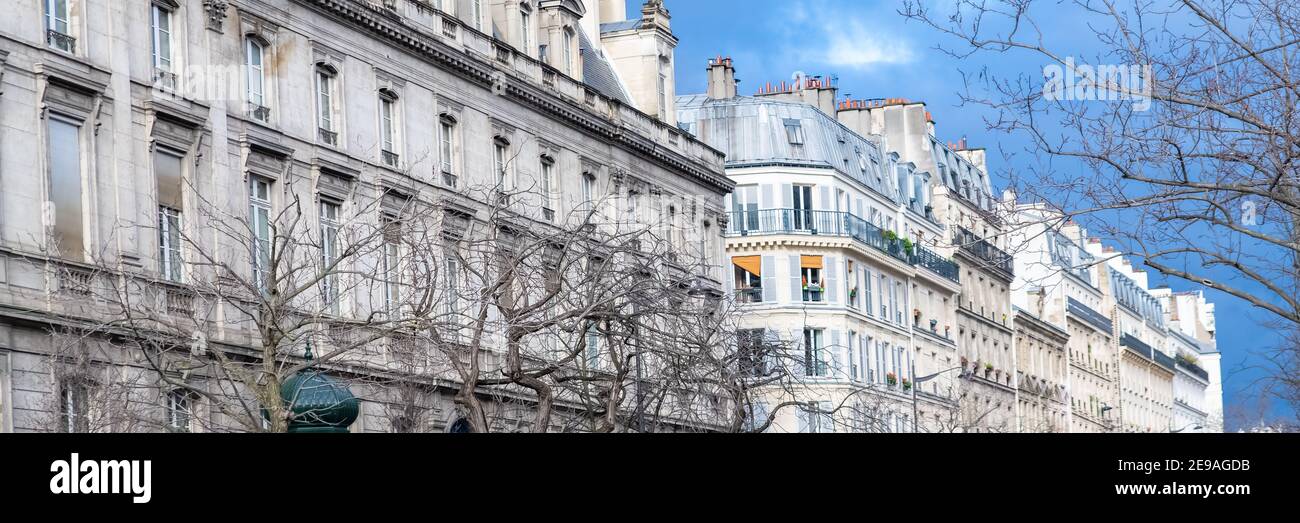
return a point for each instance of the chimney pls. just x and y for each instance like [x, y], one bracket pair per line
[722, 78]
[613, 11]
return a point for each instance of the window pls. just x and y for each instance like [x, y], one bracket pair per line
[58, 33]
[391, 271]
[757, 416]
[162, 37]
[447, 148]
[65, 187]
[750, 354]
[568, 52]
[169, 244]
[588, 192]
[794, 131]
[814, 354]
[329, 234]
[663, 94]
[744, 206]
[749, 281]
[525, 28]
[255, 55]
[501, 160]
[451, 287]
[867, 283]
[388, 127]
[593, 347]
[884, 304]
[476, 10]
[73, 406]
[811, 278]
[548, 199]
[854, 371]
[259, 223]
[178, 411]
[816, 417]
[803, 214]
[167, 171]
[325, 101]
[862, 159]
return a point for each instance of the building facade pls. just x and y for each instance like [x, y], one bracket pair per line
[121, 120]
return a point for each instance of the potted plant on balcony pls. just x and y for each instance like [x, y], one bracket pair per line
[908, 245]
[916, 316]
[853, 293]
[891, 379]
[934, 326]
[964, 361]
[907, 384]
[947, 329]
[988, 369]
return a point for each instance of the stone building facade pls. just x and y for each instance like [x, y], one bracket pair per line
[119, 119]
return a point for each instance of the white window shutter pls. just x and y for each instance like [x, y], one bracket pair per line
[838, 367]
[769, 278]
[796, 283]
[831, 271]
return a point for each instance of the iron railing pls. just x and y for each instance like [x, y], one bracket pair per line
[817, 223]
[1164, 360]
[1192, 368]
[61, 41]
[947, 268]
[1138, 346]
[1077, 308]
[981, 249]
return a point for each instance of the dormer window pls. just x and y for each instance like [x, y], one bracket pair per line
[794, 131]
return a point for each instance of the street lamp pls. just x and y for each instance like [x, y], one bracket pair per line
[916, 384]
[1189, 425]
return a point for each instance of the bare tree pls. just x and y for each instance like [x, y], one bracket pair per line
[1182, 115]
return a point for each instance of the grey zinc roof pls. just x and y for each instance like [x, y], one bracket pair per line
[625, 25]
[598, 72]
[959, 174]
[752, 132]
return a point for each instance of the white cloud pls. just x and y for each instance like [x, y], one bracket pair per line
[843, 35]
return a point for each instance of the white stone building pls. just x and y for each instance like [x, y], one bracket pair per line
[116, 118]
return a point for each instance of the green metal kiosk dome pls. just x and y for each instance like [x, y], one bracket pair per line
[318, 402]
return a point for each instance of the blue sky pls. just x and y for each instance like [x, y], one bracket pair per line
[875, 53]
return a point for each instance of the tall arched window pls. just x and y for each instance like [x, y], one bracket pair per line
[255, 70]
[568, 52]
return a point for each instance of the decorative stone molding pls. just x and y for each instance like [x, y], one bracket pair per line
[216, 11]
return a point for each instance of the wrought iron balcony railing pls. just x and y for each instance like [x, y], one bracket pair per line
[941, 266]
[817, 223]
[981, 249]
[1164, 360]
[1192, 368]
[390, 158]
[63, 42]
[1138, 346]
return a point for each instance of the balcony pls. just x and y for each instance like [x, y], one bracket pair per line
[260, 112]
[817, 223]
[1137, 346]
[982, 250]
[1084, 312]
[947, 268]
[389, 158]
[328, 137]
[754, 295]
[1192, 368]
[63, 42]
[1164, 360]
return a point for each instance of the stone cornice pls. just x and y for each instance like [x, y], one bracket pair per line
[480, 72]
